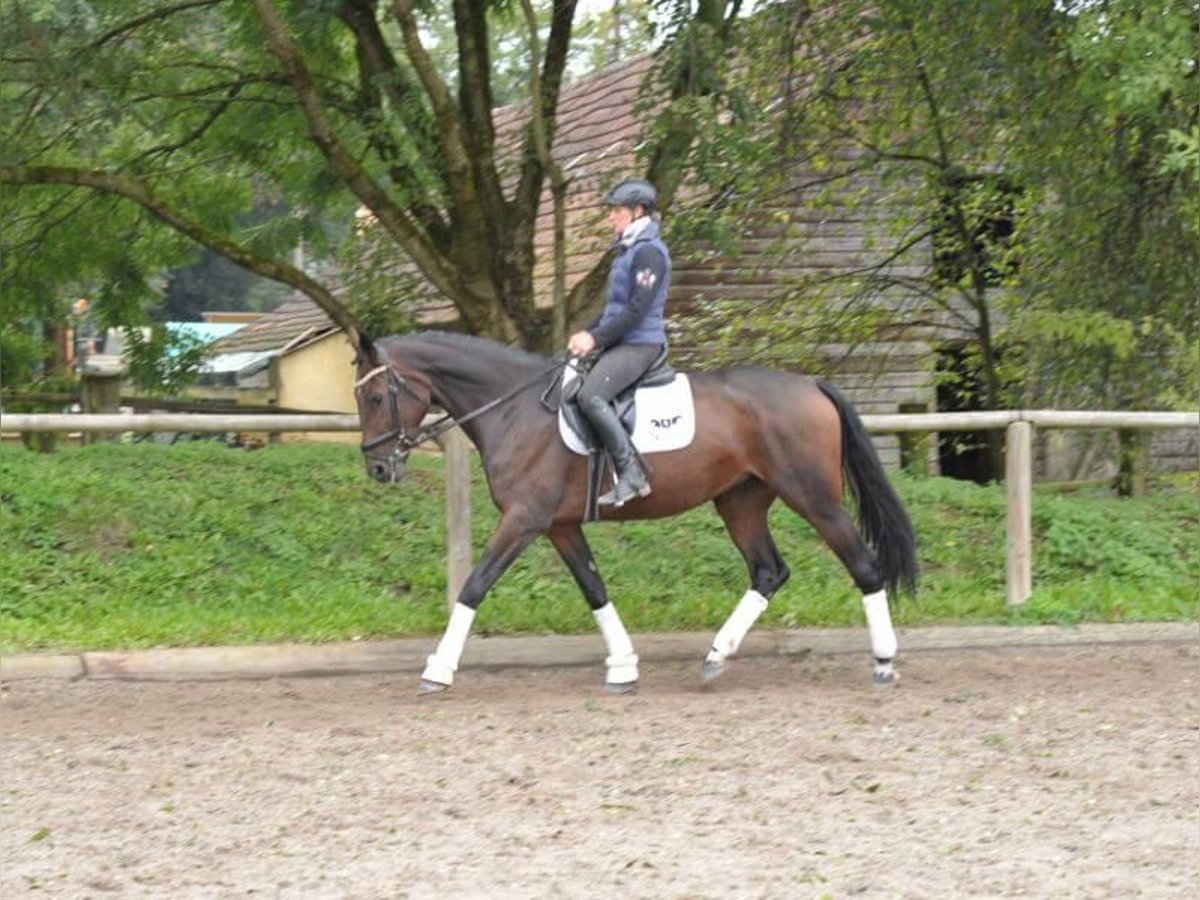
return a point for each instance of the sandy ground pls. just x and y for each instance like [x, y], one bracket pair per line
[1049, 772]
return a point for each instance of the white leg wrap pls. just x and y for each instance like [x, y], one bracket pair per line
[441, 666]
[730, 637]
[879, 621]
[622, 662]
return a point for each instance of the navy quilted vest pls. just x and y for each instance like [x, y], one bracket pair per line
[620, 285]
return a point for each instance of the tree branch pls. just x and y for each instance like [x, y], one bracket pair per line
[132, 189]
[475, 101]
[547, 85]
[153, 16]
[450, 136]
[322, 134]
[930, 99]
[696, 77]
[380, 76]
[540, 131]
[196, 133]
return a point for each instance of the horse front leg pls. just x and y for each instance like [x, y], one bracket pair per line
[621, 662]
[515, 532]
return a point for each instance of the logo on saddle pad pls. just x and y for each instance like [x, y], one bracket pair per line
[664, 418]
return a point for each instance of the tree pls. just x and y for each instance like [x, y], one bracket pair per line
[196, 111]
[889, 112]
[1109, 312]
[1039, 165]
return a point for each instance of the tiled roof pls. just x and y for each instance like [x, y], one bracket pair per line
[595, 143]
[296, 319]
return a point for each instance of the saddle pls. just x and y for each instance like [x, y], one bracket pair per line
[660, 373]
[668, 425]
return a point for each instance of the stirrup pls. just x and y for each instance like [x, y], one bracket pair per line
[623, 493]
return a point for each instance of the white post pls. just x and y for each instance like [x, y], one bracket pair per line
[458, 513]
[1018, 477]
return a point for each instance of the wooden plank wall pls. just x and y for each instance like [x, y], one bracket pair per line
[800, 237]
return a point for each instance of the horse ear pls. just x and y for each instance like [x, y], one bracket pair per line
[363, 345]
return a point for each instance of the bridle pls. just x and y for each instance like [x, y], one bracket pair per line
[397, 386]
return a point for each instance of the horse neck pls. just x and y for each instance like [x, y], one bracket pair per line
[462, 384]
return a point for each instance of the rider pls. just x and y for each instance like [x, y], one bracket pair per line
[629, 332]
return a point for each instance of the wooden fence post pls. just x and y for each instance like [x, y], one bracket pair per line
[914, 445]
[458, 512]
[100, 392]
[1018, 478]
[1133, 461]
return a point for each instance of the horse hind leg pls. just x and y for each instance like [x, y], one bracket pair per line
[816, 500]
[744, 510]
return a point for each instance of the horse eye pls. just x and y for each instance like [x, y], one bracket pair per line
[376, 399]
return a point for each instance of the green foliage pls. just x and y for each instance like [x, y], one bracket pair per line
[1026, 175]
[1073, 123]
[164, 361]
[611, 35]
[199, 114]
[1115, 238]
[384, 291]
[183, 102]
[144, 545]
[20, 349]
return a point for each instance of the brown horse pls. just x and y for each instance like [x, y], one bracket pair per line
[760, 435]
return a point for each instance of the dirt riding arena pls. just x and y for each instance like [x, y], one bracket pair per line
[1052, 772]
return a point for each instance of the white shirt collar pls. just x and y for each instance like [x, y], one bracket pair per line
[633, 229]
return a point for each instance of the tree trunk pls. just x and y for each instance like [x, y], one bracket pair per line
[57, 374]
[100, 394]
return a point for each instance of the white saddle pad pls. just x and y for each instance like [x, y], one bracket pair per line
[666, 417]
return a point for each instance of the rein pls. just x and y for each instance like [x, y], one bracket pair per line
[404, 441]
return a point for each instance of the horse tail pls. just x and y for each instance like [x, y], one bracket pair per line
[882, 519]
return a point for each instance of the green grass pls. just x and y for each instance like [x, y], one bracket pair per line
[144, 545]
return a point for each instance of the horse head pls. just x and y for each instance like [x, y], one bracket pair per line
[391, 402]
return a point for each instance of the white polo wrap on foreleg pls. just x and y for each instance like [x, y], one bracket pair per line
[879, 621]
[441, 666]
[622, 661]
[730, 637]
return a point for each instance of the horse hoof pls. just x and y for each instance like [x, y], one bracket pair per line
[431, 687]
[885, 677]
[627, 687]
[712, 670]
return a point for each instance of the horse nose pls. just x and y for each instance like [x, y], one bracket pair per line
[379, 472]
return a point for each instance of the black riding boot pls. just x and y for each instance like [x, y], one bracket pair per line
[631, 480]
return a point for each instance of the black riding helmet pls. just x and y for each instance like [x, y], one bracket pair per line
[633, 192]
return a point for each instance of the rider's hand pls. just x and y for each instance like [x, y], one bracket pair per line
[581, 343]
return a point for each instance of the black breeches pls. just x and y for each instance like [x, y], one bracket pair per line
[617, 369]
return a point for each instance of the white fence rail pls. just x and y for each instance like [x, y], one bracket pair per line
[1018, 425]
[212, 423]
[881, 424]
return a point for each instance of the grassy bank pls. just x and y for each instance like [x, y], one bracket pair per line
[127, 546]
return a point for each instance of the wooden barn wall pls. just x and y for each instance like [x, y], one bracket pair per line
[822, 234]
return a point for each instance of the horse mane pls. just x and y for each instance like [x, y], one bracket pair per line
[486, 350]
